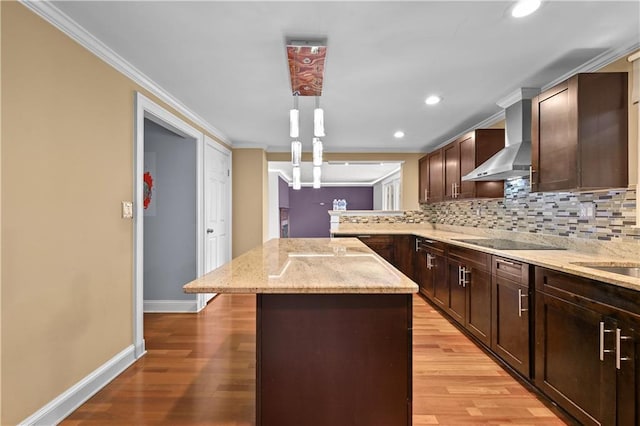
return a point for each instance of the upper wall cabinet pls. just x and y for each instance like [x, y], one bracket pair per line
[579, 134]
[441, 170]
[464, 155]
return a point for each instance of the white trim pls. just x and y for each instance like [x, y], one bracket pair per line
[146, 108]
[64, 23]
[172, 306]
[65, 403]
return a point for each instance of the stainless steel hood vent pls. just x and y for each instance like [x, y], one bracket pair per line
[514, 159]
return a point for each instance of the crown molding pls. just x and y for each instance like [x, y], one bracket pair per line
[71, 28]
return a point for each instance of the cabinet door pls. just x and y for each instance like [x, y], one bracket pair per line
[435, 184]
[457, 292]
[423, 275]
[554, 139]
[510, 326]
[404, 247]
[478, 287]
[467, 149]
[441, 294]
[381, 244]
[628, 373]
[568, 361]
[423, 179]
[451, 170]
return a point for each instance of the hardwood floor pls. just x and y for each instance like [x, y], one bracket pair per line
[200, 370]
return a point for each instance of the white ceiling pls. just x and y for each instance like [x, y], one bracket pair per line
[226, 61]
[353, 173]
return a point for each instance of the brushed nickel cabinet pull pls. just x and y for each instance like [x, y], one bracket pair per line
[619, 357]
[602, 349]
[520, 308]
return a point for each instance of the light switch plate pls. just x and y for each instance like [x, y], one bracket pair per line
[127, 210]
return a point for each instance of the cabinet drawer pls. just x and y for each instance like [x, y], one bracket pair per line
[511, 269]
[431, 246]
[470, 257]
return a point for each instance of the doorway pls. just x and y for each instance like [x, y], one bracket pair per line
[207, 256]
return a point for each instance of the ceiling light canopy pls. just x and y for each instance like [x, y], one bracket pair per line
[432, 100]
[524, 8]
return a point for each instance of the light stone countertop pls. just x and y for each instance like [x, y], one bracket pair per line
[305, 265]
[603, 253]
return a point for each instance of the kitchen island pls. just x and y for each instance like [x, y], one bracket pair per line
[333, 331]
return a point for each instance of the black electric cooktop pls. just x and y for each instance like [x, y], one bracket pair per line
[501, 244]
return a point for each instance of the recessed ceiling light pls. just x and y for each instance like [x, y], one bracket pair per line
[399, 134]
[432, 100]
[524, 8]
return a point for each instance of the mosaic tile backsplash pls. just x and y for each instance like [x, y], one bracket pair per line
[606, 215]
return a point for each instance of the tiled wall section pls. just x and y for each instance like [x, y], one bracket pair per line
[554, 213]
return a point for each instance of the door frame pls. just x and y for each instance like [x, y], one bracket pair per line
[146, 108]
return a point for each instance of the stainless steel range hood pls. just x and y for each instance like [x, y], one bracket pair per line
[514, 159]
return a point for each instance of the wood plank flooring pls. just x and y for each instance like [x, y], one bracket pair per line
[200, 370]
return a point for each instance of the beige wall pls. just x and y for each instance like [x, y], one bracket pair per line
[409, 169]
[250, 200]
[67, 163]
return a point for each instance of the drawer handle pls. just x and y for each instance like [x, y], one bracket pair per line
[506, 262]
[364, 236]
[602, 349]
[619, 338]
[520, 296]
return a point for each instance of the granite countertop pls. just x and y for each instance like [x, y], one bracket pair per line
[559, 260]
[305, 265]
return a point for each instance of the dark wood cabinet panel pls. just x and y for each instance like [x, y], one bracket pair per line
[384, 245]
[586, 355]
[510, 323]
[431, 266]
[423, 178]
[475, 148]
[451, 154]
[580, 134]
[404, 249]
[478, 286]
[435, 191]
[457, 307]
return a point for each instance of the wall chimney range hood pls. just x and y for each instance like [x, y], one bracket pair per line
[514, 160]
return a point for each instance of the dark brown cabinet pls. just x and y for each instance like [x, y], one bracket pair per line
[435, 186]
[579, 134]
[470, 300]
[383, 245]
[510, 326]
[586, 355]
[423, 179]
[404, 249]
[431, 266]
[446, 167]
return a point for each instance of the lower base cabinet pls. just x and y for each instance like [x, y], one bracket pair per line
[586, 353]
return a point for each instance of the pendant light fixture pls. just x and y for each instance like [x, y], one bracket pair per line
[296, 153]
[318, 120]
[294, 119]
[296, 178]
[306, 68]
[317, 173]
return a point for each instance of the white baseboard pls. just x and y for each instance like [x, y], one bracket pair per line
[64, 404]
[170, 306]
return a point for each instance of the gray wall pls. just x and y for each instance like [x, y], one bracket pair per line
[170, 235]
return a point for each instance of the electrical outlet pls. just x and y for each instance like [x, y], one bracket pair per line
[127, 210]
[587, 209]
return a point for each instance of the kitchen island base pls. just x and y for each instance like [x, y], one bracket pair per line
[334, 359]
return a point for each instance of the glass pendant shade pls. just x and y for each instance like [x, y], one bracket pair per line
[318, 122]
[317, 152]
[296, 178]
[294, 123]
[296, 153]
[317, 173]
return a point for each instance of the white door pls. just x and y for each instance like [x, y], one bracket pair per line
[216, 207]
